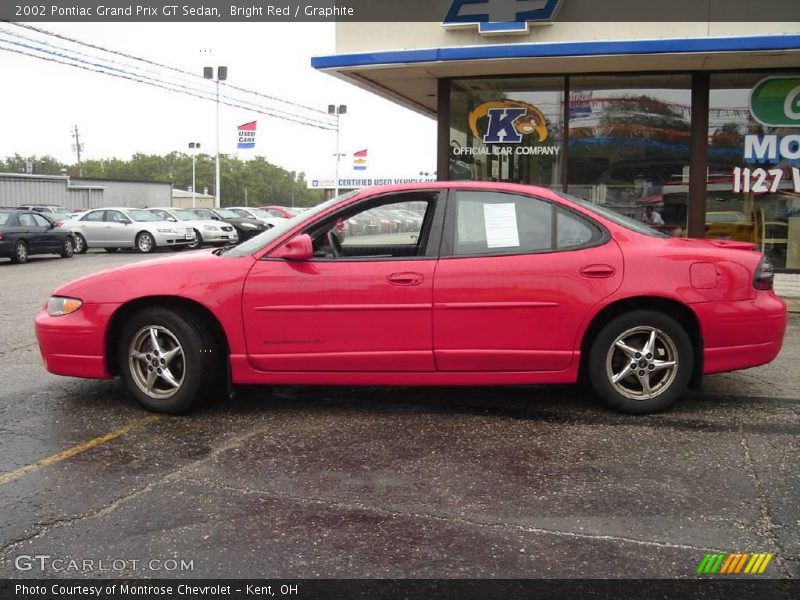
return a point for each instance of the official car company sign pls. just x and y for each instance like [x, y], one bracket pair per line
[500, 17]
[506, 122]
[775, 102]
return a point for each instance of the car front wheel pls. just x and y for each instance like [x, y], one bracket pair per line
[145, 242]
[68, 249]
[80, 244]
[641, 362]
[167, 360]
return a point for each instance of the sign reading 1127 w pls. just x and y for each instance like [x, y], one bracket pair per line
[762, 181]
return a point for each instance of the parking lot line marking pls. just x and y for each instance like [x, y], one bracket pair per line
[77, 449]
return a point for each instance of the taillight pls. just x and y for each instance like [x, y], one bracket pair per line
[1, 236]
[57, 223]
[764, 275]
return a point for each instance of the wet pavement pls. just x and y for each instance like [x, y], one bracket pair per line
[375, 482]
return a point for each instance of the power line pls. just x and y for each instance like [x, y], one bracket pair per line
[59, 51]
[159, 84]
[160, 65]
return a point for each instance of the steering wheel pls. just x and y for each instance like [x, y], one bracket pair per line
[335, 244]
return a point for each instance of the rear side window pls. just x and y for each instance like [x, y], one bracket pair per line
[492, 223]
[94, 216]
[4, 218]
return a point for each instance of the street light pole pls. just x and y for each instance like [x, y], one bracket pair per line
[222, 75]
[194, 146]
[338, 111]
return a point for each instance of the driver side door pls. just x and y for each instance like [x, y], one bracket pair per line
[363, 303]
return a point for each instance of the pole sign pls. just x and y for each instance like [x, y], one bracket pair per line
[247, 135]
[775, 102]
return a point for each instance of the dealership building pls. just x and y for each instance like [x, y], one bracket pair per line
[698, 122]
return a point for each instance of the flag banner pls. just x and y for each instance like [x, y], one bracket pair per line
[247, 135]
[360, 160]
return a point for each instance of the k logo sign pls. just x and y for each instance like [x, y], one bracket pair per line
[507, 121]
[495, 17]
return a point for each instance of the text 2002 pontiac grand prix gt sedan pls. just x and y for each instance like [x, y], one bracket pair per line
[497, 284]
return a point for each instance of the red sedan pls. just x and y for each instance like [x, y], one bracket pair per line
[500, 284]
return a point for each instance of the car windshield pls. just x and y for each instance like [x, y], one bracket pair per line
[61, 211]
[184, 215]
[228, 214]
[261, 214]
[143, 215]
[614, 216]
[258, 242]
[4, 218]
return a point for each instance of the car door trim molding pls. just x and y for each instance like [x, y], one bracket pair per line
[344, 307]
[479, 305]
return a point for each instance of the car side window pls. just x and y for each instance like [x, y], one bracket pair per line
[94, 216]
[26, 220]
[115, 216]
[160, 213]
[387, 228]
[496, 223]
[40, 221]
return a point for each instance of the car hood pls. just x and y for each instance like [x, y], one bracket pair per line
[197, 275]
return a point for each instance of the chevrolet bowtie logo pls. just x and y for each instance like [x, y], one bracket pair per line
[500, 16]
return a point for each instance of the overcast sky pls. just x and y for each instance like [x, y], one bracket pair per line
[41, 101]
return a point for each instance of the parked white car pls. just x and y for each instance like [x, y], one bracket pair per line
[116, 228]
[258, 214]
[206, 231]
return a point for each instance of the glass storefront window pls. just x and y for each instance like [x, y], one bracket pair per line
[629, 146]
[507, 130]
[751, 193]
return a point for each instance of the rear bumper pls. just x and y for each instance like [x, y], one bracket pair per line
[742, 334]
[74, 345]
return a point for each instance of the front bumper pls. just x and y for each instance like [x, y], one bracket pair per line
[220, 237]
[742, 334]
[173, 239]
[74, 344]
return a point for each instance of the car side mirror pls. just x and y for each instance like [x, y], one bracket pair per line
[172, 219]
[298, 248]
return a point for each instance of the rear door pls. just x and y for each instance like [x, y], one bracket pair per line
[516, 278]
[92, 227]
[34, 233]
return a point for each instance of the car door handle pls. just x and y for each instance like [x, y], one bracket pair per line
[597, 271]
[405, 278]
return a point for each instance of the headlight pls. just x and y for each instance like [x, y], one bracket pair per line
[58, 306]
[249, 226]
[172, 231]
[210, 228]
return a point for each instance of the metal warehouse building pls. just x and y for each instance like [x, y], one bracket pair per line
[17, 189]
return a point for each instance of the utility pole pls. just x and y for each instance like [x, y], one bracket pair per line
[77, 147]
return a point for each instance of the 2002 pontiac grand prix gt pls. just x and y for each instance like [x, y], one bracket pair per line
[463, 284]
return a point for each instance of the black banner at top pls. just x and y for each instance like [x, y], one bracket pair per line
[450, 12]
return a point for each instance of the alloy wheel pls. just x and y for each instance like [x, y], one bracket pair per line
[145, 243]
[157, 362]
[642, 363]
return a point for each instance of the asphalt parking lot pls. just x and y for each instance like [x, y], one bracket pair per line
[348, 483]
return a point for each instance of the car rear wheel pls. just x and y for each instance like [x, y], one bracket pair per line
[80, 244]
[145, 242]
[641, 362]
[20, 255]
[68, 249]
[198, 241]
[167, 360]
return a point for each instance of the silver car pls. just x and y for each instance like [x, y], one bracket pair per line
[206, 231]
[258, 214]
[116, 228]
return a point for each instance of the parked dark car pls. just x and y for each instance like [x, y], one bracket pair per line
[53, 211]
[245, 227]
[24, 233]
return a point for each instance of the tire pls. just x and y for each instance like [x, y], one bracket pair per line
[145, 242]
[80, 244]
[194, 363]
[20, 255]
[68, 249]
[635, 331]
[197, 243]
[112, 250]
